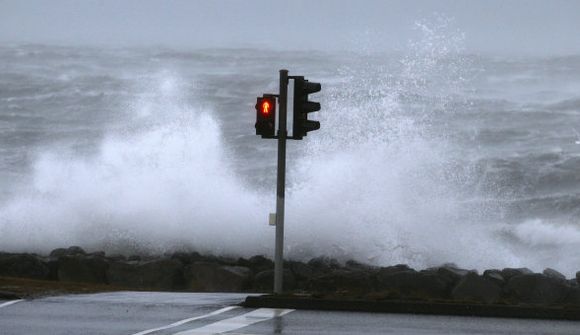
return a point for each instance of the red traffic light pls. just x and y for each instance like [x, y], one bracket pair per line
[266, 116]
[266, 107]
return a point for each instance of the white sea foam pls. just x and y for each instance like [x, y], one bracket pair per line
[376, 183]
[165, 183]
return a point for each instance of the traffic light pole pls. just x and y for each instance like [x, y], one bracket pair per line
[280, 193]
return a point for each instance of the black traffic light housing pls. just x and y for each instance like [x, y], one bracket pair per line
[302, 88]
[266, 116]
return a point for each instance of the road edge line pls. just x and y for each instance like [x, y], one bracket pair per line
[237, 322]
[184, 321]
[8, 303]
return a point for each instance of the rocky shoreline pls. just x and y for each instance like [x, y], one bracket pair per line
[75, 270]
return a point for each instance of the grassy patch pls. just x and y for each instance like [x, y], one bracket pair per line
[31, 288]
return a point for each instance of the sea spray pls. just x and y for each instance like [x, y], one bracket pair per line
[411, 164]
[379, 184]
[164, 183]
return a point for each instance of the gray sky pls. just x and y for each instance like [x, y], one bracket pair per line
[495, 26]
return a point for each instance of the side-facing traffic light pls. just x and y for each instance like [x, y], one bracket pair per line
[266, 116]
[302, 88]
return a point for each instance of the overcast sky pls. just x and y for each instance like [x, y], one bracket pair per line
[496, 26]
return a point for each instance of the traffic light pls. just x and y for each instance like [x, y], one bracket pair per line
[302, 88]
[266, 116]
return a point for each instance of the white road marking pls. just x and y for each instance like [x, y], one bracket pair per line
[10, 303]
[179, 323]
[237, 322]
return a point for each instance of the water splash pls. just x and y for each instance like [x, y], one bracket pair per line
[379, 182]
[164, 183]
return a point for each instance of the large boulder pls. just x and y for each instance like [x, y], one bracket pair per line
[52, 265]
[134, 258]
[264, 281]
[70, 251]
[117, 258]
[358, 281]
[353, 265]
[163, 274]
[300, 270]
[23, 266]
[474, 287]
[257, 263]
[82, 269]
[412, 284]
[508, 273]
[495, 276]
[4, 295]
[322, 265]
[450, 273]
[394, 269]
[212, 277]
[537, 288]
[551, 273]
[573, 296]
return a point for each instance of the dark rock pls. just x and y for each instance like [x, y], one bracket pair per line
[358, 281]
[70, 251]
[208, 259]
[394, 269]
[412, 284]
[117, 258]
[495, 276]
[301, 271]
[474, 287]
[52, 265]
[23, 266]
[5, 295]
[225, 260]
[573, 296]
[353, 265]
[551, 273]
[508, 273]
[123, 274]
[82, 269]
[134, 258]
[450, 273]
[187, 257]
[163, 274]
[537, 288]
[259, 263]
[211, 277]
[323, 264]
[264, 281]
[460, 273]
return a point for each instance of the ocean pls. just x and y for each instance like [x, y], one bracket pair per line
[425, 156]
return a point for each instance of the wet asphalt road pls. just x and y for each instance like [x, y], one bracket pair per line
[141, 313]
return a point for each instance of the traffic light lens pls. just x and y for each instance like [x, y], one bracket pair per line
[266, 116]
[266, 107]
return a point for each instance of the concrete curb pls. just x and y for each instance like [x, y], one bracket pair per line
[415, 307]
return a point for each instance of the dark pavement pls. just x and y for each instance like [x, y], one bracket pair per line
[141, 313]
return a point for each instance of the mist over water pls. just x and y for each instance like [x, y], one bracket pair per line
[382, 182]
[164, 182]
[428, 157]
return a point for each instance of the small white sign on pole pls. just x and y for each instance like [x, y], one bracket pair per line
[272, 220]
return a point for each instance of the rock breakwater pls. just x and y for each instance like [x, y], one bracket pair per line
[324, 277]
